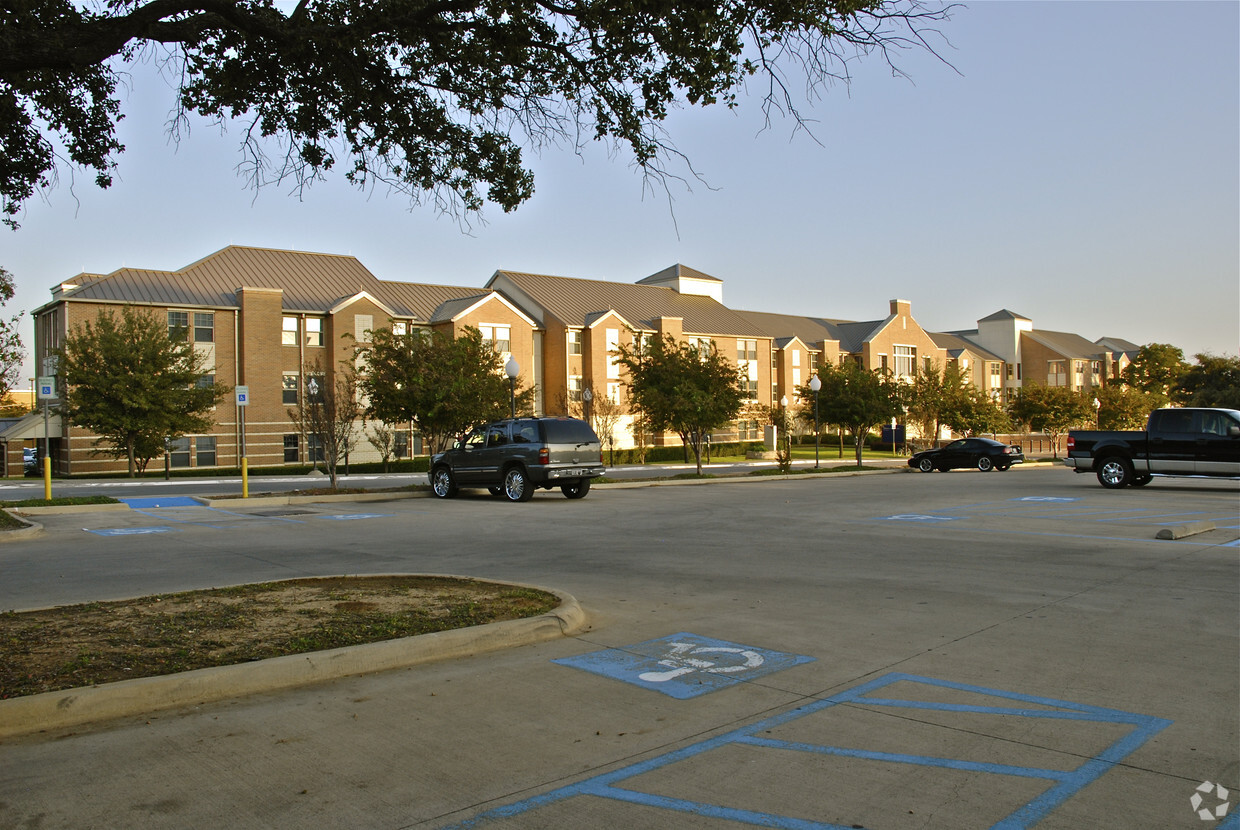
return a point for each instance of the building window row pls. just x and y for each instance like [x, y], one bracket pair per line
[204, 325]
[312, 326]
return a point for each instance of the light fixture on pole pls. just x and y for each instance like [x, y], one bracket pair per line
[512, 368]
[815, 385]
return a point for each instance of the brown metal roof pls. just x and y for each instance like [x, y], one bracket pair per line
[573, 301]
[310, 282]
[422, 302]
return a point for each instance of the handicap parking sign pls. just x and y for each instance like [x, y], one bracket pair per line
[685, 665]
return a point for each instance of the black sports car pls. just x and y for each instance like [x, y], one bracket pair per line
[982, 453]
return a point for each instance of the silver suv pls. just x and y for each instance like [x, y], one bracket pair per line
[513, 457]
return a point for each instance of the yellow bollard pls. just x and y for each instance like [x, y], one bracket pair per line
[245, 478]
[47, 478]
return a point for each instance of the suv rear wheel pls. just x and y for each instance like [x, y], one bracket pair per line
[576, 489]
[517, 485]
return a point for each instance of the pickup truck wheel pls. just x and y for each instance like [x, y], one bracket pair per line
[926, 465]
[1141, 480]
[576, 489]
[517, 485]
[442, 483]
[1115, 472]
[985, 464]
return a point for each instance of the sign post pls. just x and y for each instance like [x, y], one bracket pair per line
[243, 400]
[47, 391]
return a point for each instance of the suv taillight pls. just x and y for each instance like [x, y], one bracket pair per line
[544, 456]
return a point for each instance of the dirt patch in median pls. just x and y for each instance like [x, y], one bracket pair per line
[102, 642]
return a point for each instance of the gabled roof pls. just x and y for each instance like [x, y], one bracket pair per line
[955, 345]
[1065, 343]
[572, 301]
[1118, 344]
[810, 330]
[309, 282]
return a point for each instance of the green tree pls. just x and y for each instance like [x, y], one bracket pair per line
[1053, 410]
[327, 412]
[1213, 381]
[442, 384]
[854, 398]
[11, 351]
[681, 388]
[975, 413]
[1156, 371]
[134, 384]
[1123, 407]
[937, 397]
[432, 97]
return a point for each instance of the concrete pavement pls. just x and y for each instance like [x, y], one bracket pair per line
[987, 650]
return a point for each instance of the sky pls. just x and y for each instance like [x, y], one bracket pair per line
[1077, 163]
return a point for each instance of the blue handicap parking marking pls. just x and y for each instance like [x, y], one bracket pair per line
[147, 502]
[348, 517]
[627, 784]
[1047, 498]
[128, 531]
[684, 665]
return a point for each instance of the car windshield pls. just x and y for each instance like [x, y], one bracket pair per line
[569, 431]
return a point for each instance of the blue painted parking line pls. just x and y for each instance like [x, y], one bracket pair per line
[1063, 784]
[685, 665]
[160, 501]
[128, 531]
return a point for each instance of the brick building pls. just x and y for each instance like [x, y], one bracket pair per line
[268, 319]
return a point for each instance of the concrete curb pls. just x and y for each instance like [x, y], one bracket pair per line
[57, 509]
[391, 495]
[1181, 531]
[19, 534]
[73, 707]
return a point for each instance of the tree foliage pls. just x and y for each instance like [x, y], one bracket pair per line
[1052, 409]
[1123, 407]
[442, 384]
[134, 384]
[680, 388]
[433, 97]
[327, 411]
[854, 398]
[1213, 381]
[11, 350]
[1155, 371]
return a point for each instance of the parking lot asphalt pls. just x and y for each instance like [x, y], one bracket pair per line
[891, 651]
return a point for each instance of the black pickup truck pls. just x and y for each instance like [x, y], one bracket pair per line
[1176, 442]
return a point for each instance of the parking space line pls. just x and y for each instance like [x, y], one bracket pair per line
[1066, 783]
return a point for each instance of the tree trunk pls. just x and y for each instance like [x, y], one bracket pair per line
[129, 452]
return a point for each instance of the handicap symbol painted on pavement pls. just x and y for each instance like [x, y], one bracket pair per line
[917, 517]
[684, 665]
[1046, 498]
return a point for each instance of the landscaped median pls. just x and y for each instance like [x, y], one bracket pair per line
[338, 613]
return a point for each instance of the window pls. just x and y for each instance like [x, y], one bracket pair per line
[205, 382]
[574, 388]
[204, 327]
[813, 362]
[314, 388]
[746, 350]
[996, 378]
[1056, 373]
[613, 393]
[314, 331]
[205, 444]
[498, 338]
[363, 325]
[883, 362]
[613, 349]
[289, 395]
[796, 357]
[291, 449]
[400, 447]
[574, 342]
[905, 360]
[178, 324]
[749, 387]
[747, 430]
[400, 327]
[288, 333]
[178, 452]
[314, 448]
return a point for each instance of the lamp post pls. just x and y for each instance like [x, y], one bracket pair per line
[815, 385]
[512, 368]
[786, 460]
[1098, 413]
[587, 395]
